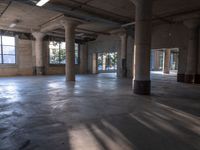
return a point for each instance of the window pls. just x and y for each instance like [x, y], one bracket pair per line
[107, 61]
[57, 53]
[76, 54]
[7, 50]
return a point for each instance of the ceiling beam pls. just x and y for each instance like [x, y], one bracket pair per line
[82, 14]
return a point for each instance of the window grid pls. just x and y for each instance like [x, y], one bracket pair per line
[2, 55]
[59, 49]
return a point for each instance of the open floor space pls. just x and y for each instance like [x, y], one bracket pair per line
[99, 74]
[98, 112]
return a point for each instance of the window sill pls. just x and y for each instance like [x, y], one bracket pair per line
[8, 65]
[57, 65]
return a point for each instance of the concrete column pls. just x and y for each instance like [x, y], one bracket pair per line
[83, 58]
[191, 68]
[156, 60]
[94, 63]
[182, 61]
[123, 55]
[70, 26]
[39, 68]
[104, 62]
[197, 76]
[142, 83]
[166, 65]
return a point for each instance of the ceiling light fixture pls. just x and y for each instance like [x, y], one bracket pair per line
[42, 2]
[12, 25]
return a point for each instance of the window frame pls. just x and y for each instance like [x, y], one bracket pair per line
[2, 51]
[62, 64]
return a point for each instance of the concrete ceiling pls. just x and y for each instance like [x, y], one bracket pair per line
[100, 15]
[29, 17]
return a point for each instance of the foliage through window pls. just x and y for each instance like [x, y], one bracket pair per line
[7, 50]
[57, 53]
[107, 61]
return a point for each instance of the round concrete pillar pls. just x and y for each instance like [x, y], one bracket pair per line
[123, 56]
[166, 64]
[182, 61]
[142, 83]
[39, 62]
[83, 58]
[191, 68]
[70, 26]
[197, 76]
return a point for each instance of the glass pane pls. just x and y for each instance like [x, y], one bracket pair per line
[62, 56]
[54, 56]
[8, 40]
[100, 61]
[54, 45]
[62, 45]
[76, 46]
[9, 59]
[8, 50]
[76, 53]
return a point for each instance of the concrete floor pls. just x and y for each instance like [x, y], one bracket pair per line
[98, 112]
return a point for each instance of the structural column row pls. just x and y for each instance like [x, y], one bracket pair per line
[69, 26]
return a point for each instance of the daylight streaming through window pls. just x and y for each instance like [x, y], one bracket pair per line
[7, 50]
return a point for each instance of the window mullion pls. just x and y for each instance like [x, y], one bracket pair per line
[59, 53]
[1, 50]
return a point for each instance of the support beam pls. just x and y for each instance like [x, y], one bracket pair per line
[39, 68]
[83, 58]
[70, 26]
[122, 52]
[94, 63]
[182, 61]
[166, 64]
[123, 55]
[142, 83]
[191, 68]
[197, 76]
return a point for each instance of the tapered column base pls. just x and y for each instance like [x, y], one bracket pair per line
[180, 77]
[189, 78]
[197, 78]
[38, 71]
[142, 87]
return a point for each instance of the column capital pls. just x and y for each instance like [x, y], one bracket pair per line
[38, 35]
[70, 22]
[119, 32]
[192, 23]
[141, 2]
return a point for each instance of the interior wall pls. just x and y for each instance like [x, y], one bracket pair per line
[104, 43]
[25, 60]
[54, 69]
[23, 64]
[111, 43]
[172, 36]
